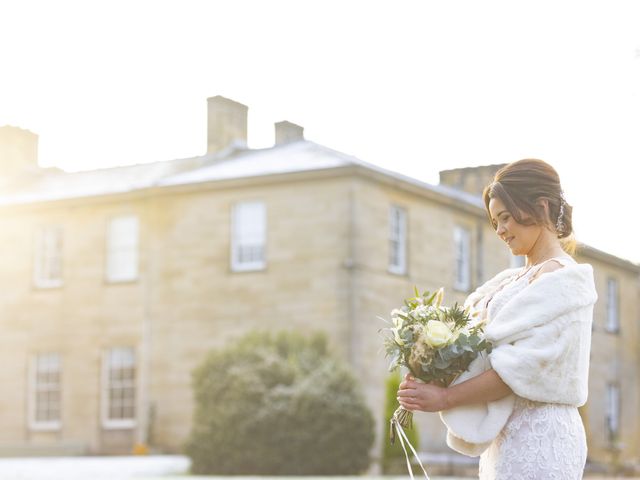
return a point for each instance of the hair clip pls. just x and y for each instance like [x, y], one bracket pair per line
[559, 222]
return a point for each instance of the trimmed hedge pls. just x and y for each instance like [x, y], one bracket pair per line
[393, 459]
[278, 404]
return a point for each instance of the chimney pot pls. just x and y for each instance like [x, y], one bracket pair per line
[287, 132]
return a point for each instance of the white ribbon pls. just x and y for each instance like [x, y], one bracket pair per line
[403, 437]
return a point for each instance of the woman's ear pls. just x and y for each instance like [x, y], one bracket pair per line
[543, 203]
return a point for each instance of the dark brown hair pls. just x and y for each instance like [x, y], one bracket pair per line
[519, 185]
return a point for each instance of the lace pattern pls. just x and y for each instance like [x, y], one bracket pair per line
[540, 440]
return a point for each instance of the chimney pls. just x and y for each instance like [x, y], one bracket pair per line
[470, 179]
[226, 124]
[288, 132]
[18, 150]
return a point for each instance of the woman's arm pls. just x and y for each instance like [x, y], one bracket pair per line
[486, 387]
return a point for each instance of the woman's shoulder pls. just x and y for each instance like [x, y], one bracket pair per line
[491, 285]
[551, 265]
[504, 274]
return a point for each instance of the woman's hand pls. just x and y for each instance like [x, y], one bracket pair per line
[427, 397]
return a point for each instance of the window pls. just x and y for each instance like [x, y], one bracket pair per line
[613, 314]
[48, 257]
[480, 255]
[397, 240]
[462, 246]
[248, 236]
[122, 249]
[613, 410]
[517, 261]
[44, 398]
[119, 388]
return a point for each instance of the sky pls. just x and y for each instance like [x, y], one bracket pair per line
[412, 86]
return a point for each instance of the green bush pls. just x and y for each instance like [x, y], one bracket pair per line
[393, 459]
[278, 404]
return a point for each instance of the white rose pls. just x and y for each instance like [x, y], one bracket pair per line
[437, 334]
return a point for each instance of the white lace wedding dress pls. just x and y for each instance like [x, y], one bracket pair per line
[541, 441]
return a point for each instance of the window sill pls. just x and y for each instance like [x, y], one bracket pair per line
[461, 289]
[118, 424]
[111, 281]
[45, 427]
[248, 268]
[48, 286]
[399, 273]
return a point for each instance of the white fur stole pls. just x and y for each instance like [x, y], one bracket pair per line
[541, 343]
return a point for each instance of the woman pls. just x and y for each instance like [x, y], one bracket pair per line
[517, 407]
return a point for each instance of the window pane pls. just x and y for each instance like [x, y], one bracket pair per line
[122, 248]
[249, 233]
[397, 239]
[46, 388]
[462, 264]
[613, 322]
[48, 257]
[121, 388]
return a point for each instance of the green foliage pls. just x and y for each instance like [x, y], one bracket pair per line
[278, 404]
[434, 342]
[449, 361]
[393, 460]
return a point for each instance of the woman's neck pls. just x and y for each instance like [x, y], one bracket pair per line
[546, 247]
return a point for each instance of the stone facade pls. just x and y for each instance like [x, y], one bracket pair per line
[327, 268]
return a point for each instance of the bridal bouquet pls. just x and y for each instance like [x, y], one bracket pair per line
[434, 342]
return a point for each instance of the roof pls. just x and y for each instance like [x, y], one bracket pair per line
[233, 163]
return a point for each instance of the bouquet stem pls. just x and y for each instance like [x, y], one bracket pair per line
[404, 418]
[396, 428]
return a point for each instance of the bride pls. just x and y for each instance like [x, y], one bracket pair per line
[517, 408]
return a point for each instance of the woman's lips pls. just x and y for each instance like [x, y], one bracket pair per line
[509, 240]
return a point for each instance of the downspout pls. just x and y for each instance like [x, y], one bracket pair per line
[349, 265]
[144, 425]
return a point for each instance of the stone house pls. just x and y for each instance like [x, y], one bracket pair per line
[117, 282]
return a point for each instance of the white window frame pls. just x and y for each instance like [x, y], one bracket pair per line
[517, 261]
[48, 257]
[613, 305]
[253, 237]
[38, 364]
[122, 249]
[613, 409]
[462, 258]
[397, 240]
[480, 254]
[117, 423]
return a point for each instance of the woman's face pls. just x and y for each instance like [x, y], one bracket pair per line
[519, 238]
